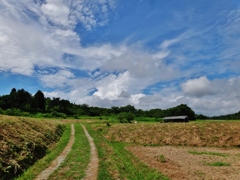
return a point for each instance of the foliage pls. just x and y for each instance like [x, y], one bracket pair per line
[22, 103]
[125, 117]
[39, 101]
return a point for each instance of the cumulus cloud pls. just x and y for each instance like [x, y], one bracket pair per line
[113, 86]
[218, 96]
[198, 87]
[58, 79]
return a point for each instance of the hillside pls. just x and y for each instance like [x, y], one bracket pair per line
[23, 141]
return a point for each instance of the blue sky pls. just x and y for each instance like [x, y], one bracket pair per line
[147, 53]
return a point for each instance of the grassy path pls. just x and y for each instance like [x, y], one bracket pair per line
[76, 163]
[56, 163]
[92, 171]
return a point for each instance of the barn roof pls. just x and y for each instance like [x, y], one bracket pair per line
[175, 117]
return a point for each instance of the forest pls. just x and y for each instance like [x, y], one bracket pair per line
[22, 103]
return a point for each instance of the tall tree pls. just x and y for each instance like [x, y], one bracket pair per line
[39, 101]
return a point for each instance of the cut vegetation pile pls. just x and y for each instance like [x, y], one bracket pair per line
[217, 134]
[24, 141]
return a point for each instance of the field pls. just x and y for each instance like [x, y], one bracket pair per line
[195, 150]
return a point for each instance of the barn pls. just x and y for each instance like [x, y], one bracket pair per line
[176, 119]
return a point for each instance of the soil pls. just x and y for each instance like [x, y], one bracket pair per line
[177, 163]
[56, 163]
[92, 170]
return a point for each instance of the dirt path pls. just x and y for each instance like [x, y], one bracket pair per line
[56, 163]
[92, 170]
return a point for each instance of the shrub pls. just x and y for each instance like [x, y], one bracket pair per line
[57, 114]
[2, 112]
[125, 117]
[13, 112]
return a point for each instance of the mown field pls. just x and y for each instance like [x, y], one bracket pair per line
[195, 150]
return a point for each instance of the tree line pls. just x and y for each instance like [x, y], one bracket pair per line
[22, 103]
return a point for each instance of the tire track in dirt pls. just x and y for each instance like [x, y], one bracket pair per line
[92, 170]
[56, 163]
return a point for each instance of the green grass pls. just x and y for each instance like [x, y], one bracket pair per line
[75, 164]
[43, 163]
[218, 163]
[208, 153]
[118, 163]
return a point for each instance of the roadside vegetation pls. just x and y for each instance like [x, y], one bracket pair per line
[24, 141]
[43, 163]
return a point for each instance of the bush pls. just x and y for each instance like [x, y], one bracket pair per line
[125, 117]
[27, 114]
[2, 111]
[57, 114]
[13, 112]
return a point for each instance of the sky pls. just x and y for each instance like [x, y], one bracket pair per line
[146, 53]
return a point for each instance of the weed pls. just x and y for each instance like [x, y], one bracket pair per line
[218, 163]
[208, 153]
[162, 158]
[199, 174]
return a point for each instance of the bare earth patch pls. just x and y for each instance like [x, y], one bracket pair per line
[179, 163]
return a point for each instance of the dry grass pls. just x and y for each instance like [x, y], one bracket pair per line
[23, 141]
[217, 134]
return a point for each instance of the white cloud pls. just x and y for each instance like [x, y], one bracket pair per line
[222, 95]
[198, 87]
[41, 34]
[58, 79]
[56, 11]
[45, 32]
[112, 86]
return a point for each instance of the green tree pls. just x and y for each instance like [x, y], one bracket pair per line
[39, 101]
